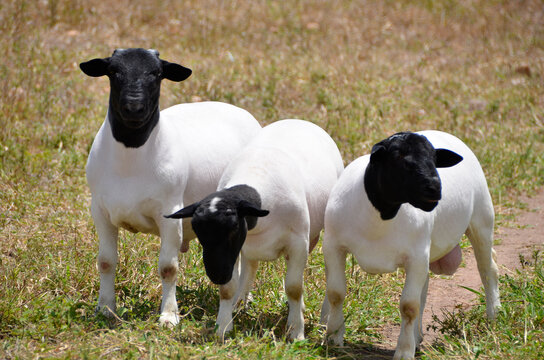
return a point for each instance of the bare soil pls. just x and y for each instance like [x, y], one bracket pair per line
[445, 293]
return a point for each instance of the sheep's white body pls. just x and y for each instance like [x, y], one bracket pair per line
[293, 165]
[133, 188]
[411, 240]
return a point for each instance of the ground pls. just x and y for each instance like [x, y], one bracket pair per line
[512, 240]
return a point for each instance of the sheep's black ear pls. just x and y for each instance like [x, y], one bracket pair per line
[186, 212]
[245, 208]
[447, 158]
[377, 153]
[174, 72]
[95, 67]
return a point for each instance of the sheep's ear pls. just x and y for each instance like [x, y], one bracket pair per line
[447, 158]
[95, 67]
[377, 153]
[186, 212]
[174, 72]
[245, 208]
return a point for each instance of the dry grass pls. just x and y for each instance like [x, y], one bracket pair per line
[360, 69]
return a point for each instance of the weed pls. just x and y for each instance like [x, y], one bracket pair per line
[518, 331]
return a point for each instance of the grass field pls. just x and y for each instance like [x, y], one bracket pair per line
[360, 69]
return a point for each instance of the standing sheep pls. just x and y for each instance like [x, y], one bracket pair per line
[289, 170]
[407, 204]
[144, 163]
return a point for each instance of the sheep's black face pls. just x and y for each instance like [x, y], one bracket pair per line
[222, 234]
[402, 169]
[135, 81]
[221, 221]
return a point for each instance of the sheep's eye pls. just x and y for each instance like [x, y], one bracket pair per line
[409, 164]
[398, 157]
[113, 70]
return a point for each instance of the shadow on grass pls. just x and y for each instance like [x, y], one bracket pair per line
[251, 320]
[360, 350]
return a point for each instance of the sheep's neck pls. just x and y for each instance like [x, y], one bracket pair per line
[388, 209]
[132, 138]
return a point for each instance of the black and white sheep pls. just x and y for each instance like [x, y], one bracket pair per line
[289, 170]
[144, 162]
[407, 204]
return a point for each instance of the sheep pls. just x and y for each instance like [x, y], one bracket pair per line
[144, 163]
[407, 204]
[289, 170]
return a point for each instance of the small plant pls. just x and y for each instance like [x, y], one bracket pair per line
[518, 331]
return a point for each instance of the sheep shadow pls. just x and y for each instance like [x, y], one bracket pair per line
[360, 350]
[202, 305]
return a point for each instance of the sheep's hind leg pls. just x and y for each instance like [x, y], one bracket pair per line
[247, 277]
[331, 311]
[418, 330]
[294, 279]
[481, 238]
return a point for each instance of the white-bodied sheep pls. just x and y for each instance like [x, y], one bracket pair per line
[393, 209]
[289, 170]
[144, 163]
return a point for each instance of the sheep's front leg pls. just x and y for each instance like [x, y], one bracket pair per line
[294, 280]
[107, 260]
[226, 302]
[417, 273]
[168, 269]
[331, 311]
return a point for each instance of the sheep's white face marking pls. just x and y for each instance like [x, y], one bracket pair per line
[213, 204]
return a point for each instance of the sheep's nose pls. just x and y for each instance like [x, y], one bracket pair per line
[434, 186]
[133, 107]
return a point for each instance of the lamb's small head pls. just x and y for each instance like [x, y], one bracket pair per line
[135, 77]
[402, 169]
[221, 221]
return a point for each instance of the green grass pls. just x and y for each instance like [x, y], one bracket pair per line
[360, 69]
[518, 331]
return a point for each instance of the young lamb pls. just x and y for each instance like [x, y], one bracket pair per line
[289, 170]
[144, 163]
[395, 209]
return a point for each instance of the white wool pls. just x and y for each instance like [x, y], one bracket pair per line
[411, 240]
[181, 161]
[293, 165]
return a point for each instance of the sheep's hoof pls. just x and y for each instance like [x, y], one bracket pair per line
[222, 332]
[105, 311]
[335, 339]
[403, 356]
[169, 320]
[296, 337]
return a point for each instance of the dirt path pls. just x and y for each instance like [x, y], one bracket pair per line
[446, 293]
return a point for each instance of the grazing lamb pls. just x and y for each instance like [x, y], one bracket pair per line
[289, 170]
[394, 209]
[144, 163]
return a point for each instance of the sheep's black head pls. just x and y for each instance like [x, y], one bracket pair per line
[402, 169]
[221, 221]
[135, 81]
